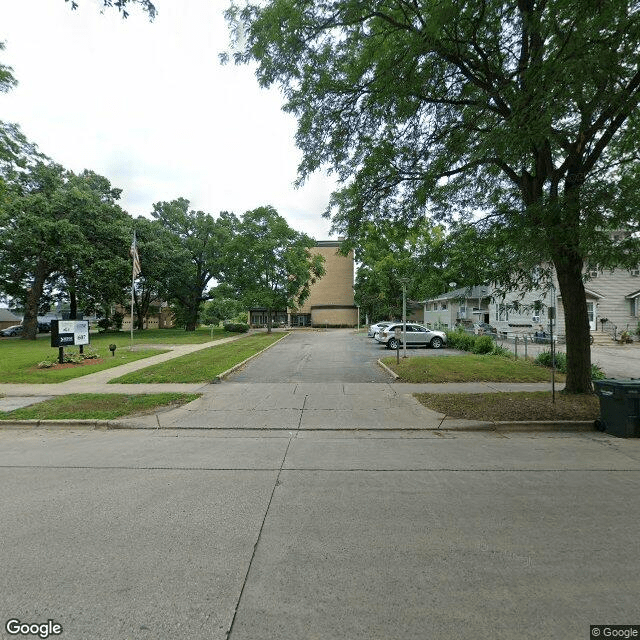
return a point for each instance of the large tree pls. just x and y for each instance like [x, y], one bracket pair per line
[198, 255]
[520, 111]
[37, 237]
[269, 264]
[97, 273]
[59, 228]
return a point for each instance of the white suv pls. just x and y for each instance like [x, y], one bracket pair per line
[416, 335]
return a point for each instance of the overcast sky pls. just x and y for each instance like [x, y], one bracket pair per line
[149, 106]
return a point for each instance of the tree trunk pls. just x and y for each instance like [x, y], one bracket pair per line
[73, 304]
[577, 333]
[192, 315]
[32, 303]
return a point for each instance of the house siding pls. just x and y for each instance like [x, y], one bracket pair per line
[608, 292]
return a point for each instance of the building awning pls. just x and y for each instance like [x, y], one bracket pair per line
[631, 296]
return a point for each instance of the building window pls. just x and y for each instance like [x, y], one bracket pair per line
[443, 306]
[634, 306]
[502, 312]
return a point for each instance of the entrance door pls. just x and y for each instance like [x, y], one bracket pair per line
[591, 312]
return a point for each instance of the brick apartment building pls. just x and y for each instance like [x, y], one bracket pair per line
[330, 302]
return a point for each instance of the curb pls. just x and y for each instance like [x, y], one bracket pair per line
[548, 426]
[500, 427]
[389, 371]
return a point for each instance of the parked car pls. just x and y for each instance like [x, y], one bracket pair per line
[480, 328]
[15, 330]
[44, 327]
[378, 326]
[416, 335]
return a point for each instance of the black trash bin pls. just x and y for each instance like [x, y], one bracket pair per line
[619, 406]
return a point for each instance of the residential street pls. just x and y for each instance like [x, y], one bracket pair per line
[295, 510]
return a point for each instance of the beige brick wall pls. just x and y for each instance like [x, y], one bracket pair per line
[334, 317]
[336, 286]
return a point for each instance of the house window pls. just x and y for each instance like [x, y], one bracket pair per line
[443, 306]
[634, 306]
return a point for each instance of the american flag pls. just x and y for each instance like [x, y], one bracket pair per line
[136, 258]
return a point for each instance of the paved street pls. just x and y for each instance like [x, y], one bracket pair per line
[289, 535]
[298, 500]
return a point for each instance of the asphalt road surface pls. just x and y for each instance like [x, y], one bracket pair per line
[338, 355]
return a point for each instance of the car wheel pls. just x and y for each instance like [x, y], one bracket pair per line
[436, 342]
[393, 343]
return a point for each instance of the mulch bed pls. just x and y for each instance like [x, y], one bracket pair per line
[68, 365]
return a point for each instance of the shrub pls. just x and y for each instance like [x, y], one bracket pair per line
[499, 350]
[483, 345]
[454, 337]
[545, 359]
[73, 357]
[236, 327]
[104, 324]
[117, 319]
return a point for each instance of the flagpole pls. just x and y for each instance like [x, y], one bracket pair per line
[134, 253]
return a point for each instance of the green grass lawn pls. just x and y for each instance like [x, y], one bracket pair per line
[174, 336]
[202, 366]
[103, 406]
[517, 406]
[468, 368]
[19, 358]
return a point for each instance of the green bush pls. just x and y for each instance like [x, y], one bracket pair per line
[546, 359]
[104, 324]
[236, 327]
[454, 337]
[460, 339]
[499, 350]
[483, 345]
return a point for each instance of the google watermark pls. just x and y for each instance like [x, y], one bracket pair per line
[41, 629]
[614, 631]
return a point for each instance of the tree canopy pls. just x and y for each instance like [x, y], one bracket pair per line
[268, 264]
[60, 228]
[197, 255]
[122, 6]
[521, 114]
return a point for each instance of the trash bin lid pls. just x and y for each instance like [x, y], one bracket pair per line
[622, 386]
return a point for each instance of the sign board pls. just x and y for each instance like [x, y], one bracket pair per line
[69, 333]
